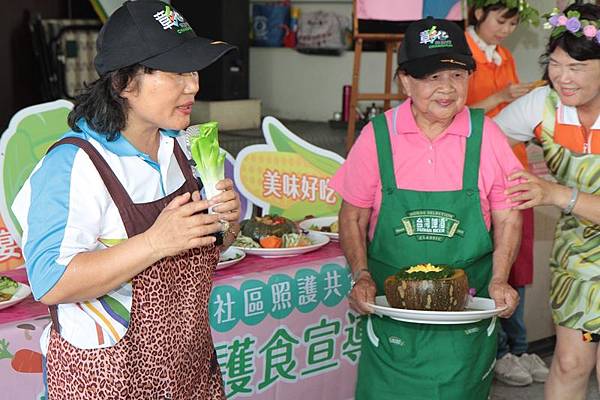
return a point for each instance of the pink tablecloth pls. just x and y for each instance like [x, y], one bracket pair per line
[304, 340]
[29, 308]
[252, 264]
[21, 326]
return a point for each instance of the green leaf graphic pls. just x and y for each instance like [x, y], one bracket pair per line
[110, 242]
[283, 143]
[32, 138]
[274, 210]
[299, 210]
[280, 141]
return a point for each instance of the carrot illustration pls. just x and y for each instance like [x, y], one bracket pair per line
[24, 360]
[27, 361]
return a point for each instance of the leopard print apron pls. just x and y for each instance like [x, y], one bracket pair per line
[167, 352]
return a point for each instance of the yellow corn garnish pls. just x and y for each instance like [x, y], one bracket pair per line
[423, 268]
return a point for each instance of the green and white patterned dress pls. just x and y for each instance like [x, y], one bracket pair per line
[575, 259]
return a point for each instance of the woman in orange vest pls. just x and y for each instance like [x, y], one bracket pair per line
[565, 118]
[492, 86]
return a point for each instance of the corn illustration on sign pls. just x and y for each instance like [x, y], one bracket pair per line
[288, 176]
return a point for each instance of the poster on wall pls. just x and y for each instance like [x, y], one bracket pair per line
[288, 176]
[394, 10]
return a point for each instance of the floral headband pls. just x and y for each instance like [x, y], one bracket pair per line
[560, 23]
[526, 12]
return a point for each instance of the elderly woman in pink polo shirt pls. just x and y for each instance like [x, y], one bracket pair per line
[434, 156]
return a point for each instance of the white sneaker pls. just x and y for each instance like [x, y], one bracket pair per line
[508, 370]
[535, 366]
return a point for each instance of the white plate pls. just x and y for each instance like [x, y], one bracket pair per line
[22, 292]
[478, 308]
[230, 256]
[320, 222]
[318, 240]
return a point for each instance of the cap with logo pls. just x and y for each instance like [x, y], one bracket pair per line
[431, 45]
[154, 34]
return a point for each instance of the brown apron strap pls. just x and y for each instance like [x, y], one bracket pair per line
[116, 190]
[54, 317]
[186, 166]
[183, 162]
[114, 187]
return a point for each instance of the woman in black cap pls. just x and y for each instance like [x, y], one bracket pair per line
[424, 183]
[564, 117]
[116, 237]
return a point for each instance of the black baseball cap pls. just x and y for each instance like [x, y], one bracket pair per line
[154, 34]
[431, 45]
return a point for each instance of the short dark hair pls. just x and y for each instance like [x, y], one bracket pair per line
[509, 13]
[100, 103]
[578, 47]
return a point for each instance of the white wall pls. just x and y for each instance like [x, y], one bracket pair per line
[538, 318]
[297, 86]
[526, 45]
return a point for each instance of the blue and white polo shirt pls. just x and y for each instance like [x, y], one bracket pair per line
[64, 209]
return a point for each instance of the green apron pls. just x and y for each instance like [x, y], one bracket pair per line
[402, 360]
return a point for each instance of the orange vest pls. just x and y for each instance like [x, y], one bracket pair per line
[490, 78]
[574, 137]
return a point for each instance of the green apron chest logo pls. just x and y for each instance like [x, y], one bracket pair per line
[396, 341]
[433, 225]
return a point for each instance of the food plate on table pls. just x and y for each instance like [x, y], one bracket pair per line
[318, 240]
[322, 225]
[22, 292]
[478, 308]
[230, 257]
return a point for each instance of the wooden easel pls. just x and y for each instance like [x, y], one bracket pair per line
[392, 40]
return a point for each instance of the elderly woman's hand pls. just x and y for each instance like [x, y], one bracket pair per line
[227, 203]
[504, 295]
[182, 225]
[535, 191]
[363, 292]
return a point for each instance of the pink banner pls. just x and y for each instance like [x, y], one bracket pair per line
[396, 10]
[389, 10]
[283, 330]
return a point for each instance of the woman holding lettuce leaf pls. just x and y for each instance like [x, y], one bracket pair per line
[116, 238]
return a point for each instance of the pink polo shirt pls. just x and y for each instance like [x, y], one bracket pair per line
[425, 165]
